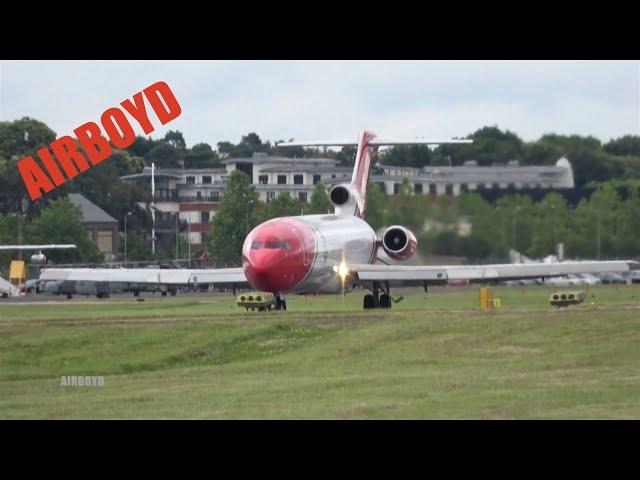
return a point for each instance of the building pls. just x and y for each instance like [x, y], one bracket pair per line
[102, 227]
[445, 180]
[192, 196]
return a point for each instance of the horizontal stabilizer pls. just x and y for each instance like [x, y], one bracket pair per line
[374, 143]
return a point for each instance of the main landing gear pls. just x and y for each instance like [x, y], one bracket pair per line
[280, 303]
[378, 300]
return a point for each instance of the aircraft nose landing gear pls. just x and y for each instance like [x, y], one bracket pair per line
[281, 303]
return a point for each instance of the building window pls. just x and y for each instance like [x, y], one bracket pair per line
[282, 179]
[316, 179]
[448, 189]
[263, 179]
[198, 195]
[206, 179]
[302, 196]
[396, 188]
[271, 196]
[205, 217]
[383, 187]
[215, 196]
[191, 180]
[298, 179]
[418, 188]
[432, 189]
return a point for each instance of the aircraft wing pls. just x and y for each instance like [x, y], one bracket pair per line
[484, 273]
[37, 247]
[159, 276]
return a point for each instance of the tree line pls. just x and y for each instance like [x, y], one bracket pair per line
[604, 167]
[604, 225]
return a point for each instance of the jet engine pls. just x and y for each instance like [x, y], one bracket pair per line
[399, 242]
[38, 258]
[345, 199]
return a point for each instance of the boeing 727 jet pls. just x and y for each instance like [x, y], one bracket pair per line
[333, 253]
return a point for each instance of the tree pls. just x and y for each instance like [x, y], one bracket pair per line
[550, 224]
[18, 139]
[251, 140]
[141, 146]
[490, 144]
[623, 146]
[283, 206]
[416, 156]
[588, 159]
[229, 226]
[226, 147]
[23, 137]
[175, 139]
[164, 155]
[375, 211]
[201, 155]
[347, 156]
[136, 248]
[61, 222]
[320, 202]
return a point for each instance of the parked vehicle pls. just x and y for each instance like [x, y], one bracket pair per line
[612, 278]
[590, 279]
[559, 281]
[634, 275]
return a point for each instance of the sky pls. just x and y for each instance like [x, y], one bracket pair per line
[317, 100]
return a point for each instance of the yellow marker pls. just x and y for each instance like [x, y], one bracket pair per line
[486, 298]
[17, 272]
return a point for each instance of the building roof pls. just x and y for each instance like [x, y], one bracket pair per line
[560, 173]
[264, 158]
[297, 167]
[173, 172]
[91, 213]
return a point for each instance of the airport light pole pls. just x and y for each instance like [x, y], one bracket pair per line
[513, 238]
[555, 230]
[598, 234]
[177, 234]
[125, 237]
[249, 202]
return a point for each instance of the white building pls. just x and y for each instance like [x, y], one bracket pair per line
[193, 195]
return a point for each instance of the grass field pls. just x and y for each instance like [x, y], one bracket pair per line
[434, 355]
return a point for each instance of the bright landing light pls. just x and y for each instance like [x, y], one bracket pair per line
[341, 269]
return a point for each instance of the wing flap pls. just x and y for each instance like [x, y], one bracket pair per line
[147, 275]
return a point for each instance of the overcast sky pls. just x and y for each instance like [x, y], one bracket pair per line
[309, 100]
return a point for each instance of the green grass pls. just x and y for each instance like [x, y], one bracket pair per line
[433, 355]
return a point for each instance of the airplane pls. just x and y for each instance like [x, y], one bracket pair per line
[7, 288]
[334, 253]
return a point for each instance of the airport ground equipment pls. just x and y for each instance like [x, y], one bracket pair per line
[256, 301]
[566, 298]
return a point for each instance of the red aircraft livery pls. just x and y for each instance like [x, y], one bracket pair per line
[329, 253]
[96, 147]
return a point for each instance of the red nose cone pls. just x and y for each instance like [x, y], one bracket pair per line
[278, 255]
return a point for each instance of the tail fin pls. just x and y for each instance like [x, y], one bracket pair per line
[367, 146]
[362, 169]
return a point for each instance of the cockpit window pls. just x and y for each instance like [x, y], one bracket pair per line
[271, 245]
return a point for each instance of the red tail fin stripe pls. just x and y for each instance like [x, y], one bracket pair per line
[362, 169]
